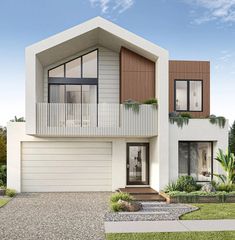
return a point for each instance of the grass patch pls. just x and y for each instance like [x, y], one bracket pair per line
[3, 201]
[212, 211]
[173, 236]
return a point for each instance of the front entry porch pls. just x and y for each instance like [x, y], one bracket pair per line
[143, 193]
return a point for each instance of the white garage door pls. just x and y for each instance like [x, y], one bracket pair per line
[66, 166]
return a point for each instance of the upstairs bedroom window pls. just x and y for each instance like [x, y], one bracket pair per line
[188, 95]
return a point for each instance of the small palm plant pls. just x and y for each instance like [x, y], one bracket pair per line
[227, 162]
[16, 119]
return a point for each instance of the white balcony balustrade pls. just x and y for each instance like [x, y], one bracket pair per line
[67, 119]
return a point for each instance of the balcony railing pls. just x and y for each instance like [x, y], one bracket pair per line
[66, 119]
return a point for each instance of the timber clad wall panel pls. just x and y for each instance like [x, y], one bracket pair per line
[137, 76]
[191, 70]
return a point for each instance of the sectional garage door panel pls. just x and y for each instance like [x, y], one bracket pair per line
[66, 166]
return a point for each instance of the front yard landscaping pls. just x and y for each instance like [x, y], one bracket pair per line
[173, 236]
[4, 201]
[211, 211]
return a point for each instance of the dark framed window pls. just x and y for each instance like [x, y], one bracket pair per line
[188, 95]
[76, 82]
[196, 160]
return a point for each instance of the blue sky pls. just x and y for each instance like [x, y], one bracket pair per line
[189, 29]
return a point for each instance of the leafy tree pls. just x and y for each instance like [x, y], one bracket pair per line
[3, 145]
[232, 138]
[227, 162]
[16, 119]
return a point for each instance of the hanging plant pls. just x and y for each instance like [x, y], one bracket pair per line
[220, 121]
[151, 101]
[179, 119]
[131, 104]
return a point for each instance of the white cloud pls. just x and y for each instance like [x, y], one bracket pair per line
[112, 6]
[222, 10]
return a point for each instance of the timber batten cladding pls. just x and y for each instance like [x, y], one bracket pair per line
[137, 76]
[191, 70]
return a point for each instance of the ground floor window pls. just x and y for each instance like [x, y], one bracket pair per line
[196, 160]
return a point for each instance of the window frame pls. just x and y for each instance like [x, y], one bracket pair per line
[188, 162]
[75, 81]
[188, 94]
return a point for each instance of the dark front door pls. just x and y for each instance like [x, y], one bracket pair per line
[137, 164]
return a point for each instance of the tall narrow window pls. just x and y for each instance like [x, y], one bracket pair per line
[188, 95]
[195, 96]
[195, 159]
[89, 65]
[181, 100]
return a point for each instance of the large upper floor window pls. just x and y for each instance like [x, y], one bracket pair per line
[85, 66]
[68, 82]
[188, 95]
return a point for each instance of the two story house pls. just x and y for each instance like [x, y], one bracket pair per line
[81, 135]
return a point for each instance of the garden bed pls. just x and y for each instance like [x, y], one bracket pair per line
[199, 197]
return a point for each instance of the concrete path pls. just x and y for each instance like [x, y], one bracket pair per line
[170, 226]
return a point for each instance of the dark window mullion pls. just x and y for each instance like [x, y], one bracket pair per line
[188, 96]
[189, 158]
[81, 67]
[81, 105]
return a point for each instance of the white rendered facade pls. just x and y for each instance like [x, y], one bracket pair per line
[49, 160]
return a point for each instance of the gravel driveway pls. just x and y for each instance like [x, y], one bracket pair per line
[54, 216]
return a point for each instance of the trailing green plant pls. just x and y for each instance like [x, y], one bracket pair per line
[131, 104]
[152, 101]
[220, 121]
[183, 184]
[3, 175]
[186, 115]
[227, 162]
[10, 192]
[121, 196]
[179, 119]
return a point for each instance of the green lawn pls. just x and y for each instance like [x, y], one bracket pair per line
[173, 236]
[3, 201]
[212, 211]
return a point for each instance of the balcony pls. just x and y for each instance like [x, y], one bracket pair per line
[86, 120]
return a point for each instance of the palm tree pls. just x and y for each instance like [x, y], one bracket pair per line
[21, 119]
[227, 162]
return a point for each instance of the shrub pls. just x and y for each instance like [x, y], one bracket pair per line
[171, 187]
[183, 184]
[116, 207]
[225, 187]
[3, 175]
[10, 192]
[152, 101]
[123, 196]
[187, 184]
[186, 115]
